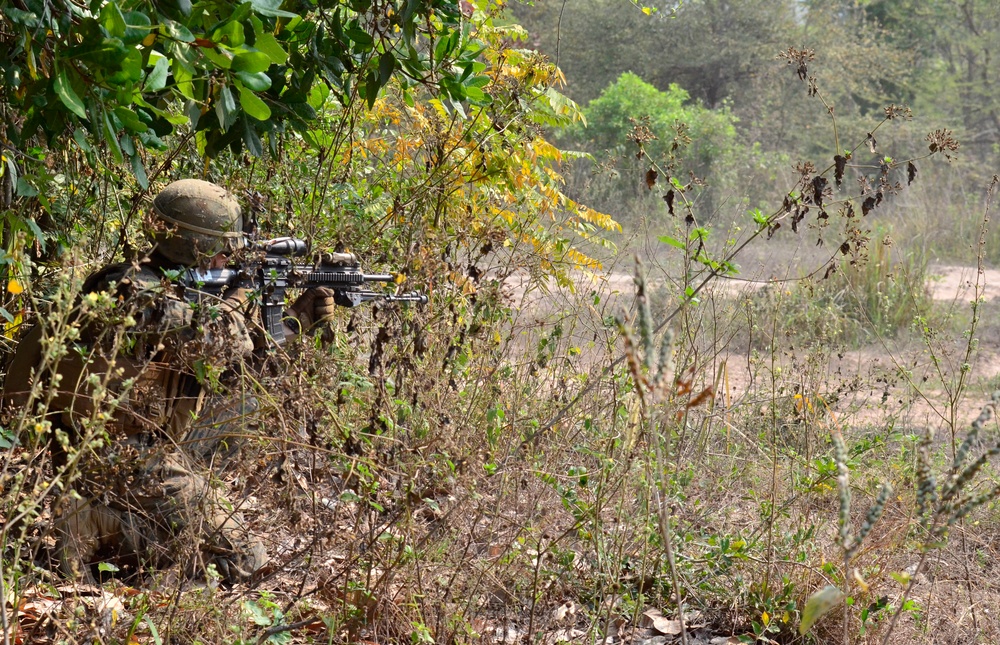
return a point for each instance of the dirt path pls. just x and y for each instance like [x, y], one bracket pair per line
[950, 282]
[923, 406]
[946, 282]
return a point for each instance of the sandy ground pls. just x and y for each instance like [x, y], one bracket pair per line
[947, 282]
[923, 405]
[952, 282]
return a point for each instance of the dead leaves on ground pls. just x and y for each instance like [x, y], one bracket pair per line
[569, 623]
[48, 614]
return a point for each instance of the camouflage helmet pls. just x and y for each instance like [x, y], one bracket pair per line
[202, 219]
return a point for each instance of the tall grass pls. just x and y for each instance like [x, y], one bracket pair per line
[878, 293]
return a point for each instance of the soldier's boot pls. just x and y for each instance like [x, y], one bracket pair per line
[193, 508]
[227, 545]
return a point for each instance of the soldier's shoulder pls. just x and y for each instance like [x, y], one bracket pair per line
[139, 276]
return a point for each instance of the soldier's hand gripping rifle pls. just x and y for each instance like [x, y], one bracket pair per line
[276, 270]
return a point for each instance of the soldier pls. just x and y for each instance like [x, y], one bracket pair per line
[147, 493]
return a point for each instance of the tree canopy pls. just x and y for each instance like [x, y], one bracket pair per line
[236, 73]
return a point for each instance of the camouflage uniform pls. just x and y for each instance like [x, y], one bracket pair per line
[149, 494]
[167, 433]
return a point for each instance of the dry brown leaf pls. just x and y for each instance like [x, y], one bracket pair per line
[568, 608]
[563, 636]
[655, 619]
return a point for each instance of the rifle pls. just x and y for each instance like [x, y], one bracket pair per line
[276, 270]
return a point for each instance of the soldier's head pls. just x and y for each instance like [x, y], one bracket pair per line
[200, 221]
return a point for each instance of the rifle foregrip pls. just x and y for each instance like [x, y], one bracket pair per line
[305, 277]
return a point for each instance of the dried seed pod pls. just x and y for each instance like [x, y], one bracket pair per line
[843, 488]
[874, 512]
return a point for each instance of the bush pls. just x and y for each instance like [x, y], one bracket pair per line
[693, 142]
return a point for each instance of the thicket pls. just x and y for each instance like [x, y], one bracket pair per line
[532, 456]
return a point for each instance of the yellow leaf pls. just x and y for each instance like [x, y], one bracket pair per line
[14, 287]
[765, 618]
[10, 327]
[149, 40]
[647, 11]
[819, 604]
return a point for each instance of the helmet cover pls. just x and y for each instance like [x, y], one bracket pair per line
[202, 218]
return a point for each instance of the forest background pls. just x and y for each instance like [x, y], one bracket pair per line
[780, 419]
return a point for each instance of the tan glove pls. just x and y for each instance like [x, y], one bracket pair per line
[236, 299]
[313, 307]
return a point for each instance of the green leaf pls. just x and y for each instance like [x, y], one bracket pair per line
[112, 139]
[225, 108]
[370, 87]
[183, 75]
[253, 106]
[222, 59]
[139, 171]
[131, 69]
[241, 13]
[106, 52]
[36, 232]
[25, 189]
[271, 8]
[445, 46]
[257, 82]
[317, 139]
[386, 63]
[107, 567]
[229, 34]
[27, 18]
[130, 120]
[318, 95]
[112, 20]
[256, 614]
[68, 95]
[157, 79]
[177, 31]
[137, 27]
[360, 37]
[251, 139]
[11, 167]
[902, 578]
[666, 239]
[251, 62]
[149, 622]
[819, 604]
[268, 44]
